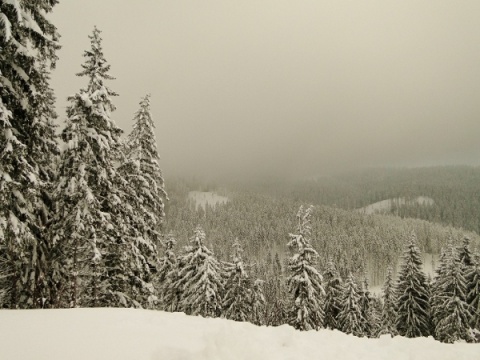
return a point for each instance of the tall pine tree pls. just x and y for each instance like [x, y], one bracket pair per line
[167, 274]
[28, 145]
[350, 318]
[388, 315]
[450, 309]
[366, 306]
[237, 304]
[143, 190]
[199, 279]
[89, 227]
[413, 309]
[333, 293]
[473, 294]
[141, 171]
[305, 282]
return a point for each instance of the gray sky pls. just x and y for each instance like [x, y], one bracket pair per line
[275, 87]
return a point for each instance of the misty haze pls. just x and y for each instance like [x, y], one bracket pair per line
[287, 88]
[239, 179]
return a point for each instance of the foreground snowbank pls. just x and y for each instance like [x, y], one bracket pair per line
[118, 334]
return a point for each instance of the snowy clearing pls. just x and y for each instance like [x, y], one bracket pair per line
[386, 205]
[117, 334]
[202, 198]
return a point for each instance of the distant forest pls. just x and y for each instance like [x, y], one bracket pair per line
[260, 215]
[455, 190]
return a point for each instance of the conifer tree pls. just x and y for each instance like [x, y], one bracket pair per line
[450, 309]
[237, 304]
[388, 315]
[199, 279]
[276, 310]
[305, 282]
[350, 318]
[473, 294]
[440, 272]
[143, 189]
[257, 301]
[471, 271]
[465, 255]
[333, 293]
[413, 310]
[28, 40]
[166, 274]
[142, 172]
[366, 307]
[89, 227]
[375, 316]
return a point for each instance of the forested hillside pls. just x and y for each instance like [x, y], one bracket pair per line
[314, 269]
[356, 242]
[454, 189]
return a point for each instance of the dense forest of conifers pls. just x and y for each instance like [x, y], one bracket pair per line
[262, 221]
[312, 287]
[454, 189]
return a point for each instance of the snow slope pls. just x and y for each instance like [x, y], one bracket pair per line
[121, 334]
[386, 205]
[202, 198]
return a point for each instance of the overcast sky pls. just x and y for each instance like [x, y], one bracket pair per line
[256, 87]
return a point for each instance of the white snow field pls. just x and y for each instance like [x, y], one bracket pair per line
[386, 205]
[128, 334]
[202, 198]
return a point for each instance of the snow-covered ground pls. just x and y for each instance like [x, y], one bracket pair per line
[386, 205]
[202, 198]
[127, 334]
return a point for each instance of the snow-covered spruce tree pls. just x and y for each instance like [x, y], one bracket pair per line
[465, 255]
[199, 279]
[333, 294]
[167, 274]
[143, 188]
[27, 142]
[141, 151]
[305, 282]
[450, 309]
[90, 227]
[257, 301]
[237, 303]
[413, 310]
[375, 316]
[276, 298]
[46, 147]
[473, 294]
[440, 271]
[389, 315]
[366, 307]
[350, 319]
[143, 177]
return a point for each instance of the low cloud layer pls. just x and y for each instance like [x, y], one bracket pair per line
[256, 88]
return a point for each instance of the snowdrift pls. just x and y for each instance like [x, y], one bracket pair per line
[117, 334]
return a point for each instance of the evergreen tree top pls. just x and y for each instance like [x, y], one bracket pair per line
[96, 67]
[388, 286]
[412, 254]
[237, 251]
[198, 237]
[141, 142]
[331, 272]
[304, 226]
[169, 242]
[465, 255]
[89, 124]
